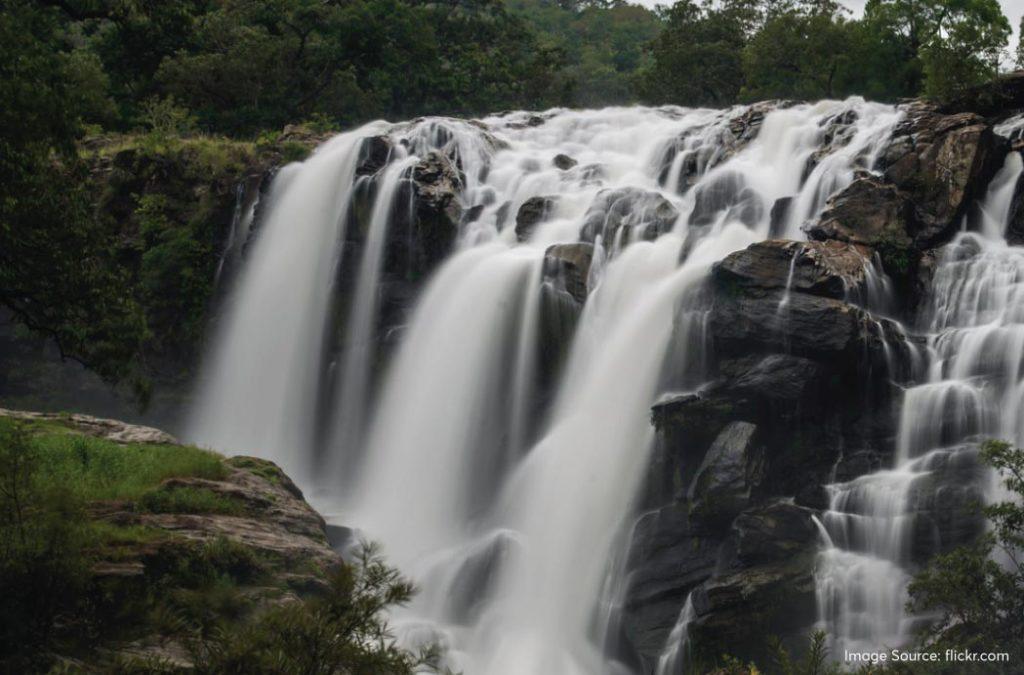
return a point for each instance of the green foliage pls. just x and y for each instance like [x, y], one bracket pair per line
[344, 630]
[697, 57]
[601, 46]
[189, 500]
[815, 662]
[965, 49]
[57, 273]
[808, 53]
[95, 469]
[43, 568]
[977, 591]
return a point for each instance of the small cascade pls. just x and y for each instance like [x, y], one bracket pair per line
[247, 198]
[882, 526]
[673, 659]
[360, 349]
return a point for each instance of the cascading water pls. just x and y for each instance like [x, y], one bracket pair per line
[259, 389]
[974, 319]
[508, 516]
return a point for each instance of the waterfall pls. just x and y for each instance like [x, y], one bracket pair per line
[507, 513]
[259, 385]
[360, 346]
[972, 390]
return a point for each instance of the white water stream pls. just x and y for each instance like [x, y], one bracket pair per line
[971, 390]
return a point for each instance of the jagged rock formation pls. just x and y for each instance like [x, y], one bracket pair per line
[804, 392]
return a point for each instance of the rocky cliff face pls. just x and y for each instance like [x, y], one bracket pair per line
[807, 374]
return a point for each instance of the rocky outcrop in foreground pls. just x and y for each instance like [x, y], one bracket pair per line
[243, 533]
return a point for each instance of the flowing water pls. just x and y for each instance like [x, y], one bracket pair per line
[881, 526]
[509, 517]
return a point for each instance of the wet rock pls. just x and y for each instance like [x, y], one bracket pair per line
[728, 192]
[813, 496]
[858, 464]
[567, 266]
[869, 212]
[533, 212]
[1015, 218]
[629, 214]
[374, 155]
[684, 426]
[771, 380]
[942, 162]
[778, 217]
[774, 533]
[732, 468]
[666, 561]
[564, 162]
[830, 268]
[437, 185]
[472, 214]
[737, 609]
[804, 325]
[837, 131]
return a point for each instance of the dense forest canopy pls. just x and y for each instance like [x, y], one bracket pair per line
[247, 68]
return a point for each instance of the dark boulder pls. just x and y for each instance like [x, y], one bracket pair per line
[374, 155]
[533, 212]
[774, 533]
[476, 577]
[437, 185]
[813, 496]
[726, 191]
[666, 561]
[801, 324]
[942, 162]
[1015, 218]
[869, 212]
[732, 468]
[684, 427]
[830, 268]
[780, 383]
[564, 162]
[567, 266]
[629, 213]
[778, 217]
[735, 610]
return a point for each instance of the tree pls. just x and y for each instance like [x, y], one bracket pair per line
[977, 591]
[943, 46]
[57, 273]
[804, 53]
[697, 58]
[966, 49]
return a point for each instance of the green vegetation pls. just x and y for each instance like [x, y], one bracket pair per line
[228, 606]
[746, 50]
[978, 591]
[93, 469]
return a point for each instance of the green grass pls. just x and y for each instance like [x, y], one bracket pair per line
[95, 469]
[189, 500]
[258, 467]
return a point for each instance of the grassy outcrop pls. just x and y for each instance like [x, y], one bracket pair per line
[123, 552]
